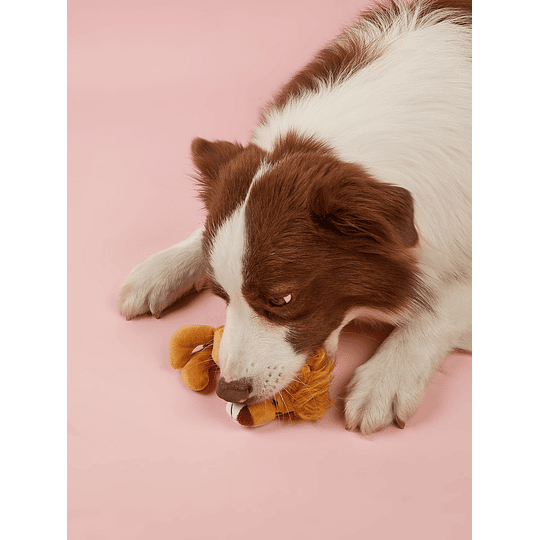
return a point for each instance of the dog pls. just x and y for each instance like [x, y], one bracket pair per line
[352, 201]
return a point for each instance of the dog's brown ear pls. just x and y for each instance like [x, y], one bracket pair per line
[210, 156]
[358, 207]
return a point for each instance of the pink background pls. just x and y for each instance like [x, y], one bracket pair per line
[148, 458]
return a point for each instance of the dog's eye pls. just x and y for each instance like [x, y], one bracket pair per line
[277, 302]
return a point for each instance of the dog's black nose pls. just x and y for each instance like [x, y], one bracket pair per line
[234, 391]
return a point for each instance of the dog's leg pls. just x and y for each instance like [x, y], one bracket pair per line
[389, 387]
[163, 278]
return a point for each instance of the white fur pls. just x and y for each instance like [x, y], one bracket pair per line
[361, 313]
[228, 247]
[253, 347]
[163, 278]
[406, 118]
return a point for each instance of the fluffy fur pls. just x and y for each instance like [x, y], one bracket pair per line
[351, 201]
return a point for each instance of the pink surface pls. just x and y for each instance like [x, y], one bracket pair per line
[147, 457]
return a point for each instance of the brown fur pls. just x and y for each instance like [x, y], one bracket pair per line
[332, 236]
[225, 174]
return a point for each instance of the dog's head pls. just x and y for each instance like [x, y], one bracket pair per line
[298, 243]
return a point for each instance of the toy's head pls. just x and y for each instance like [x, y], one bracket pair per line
[194, 349]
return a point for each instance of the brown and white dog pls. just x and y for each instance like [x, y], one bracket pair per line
[351, 201]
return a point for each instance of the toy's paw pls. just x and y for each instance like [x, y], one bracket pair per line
[158, 282]
[379, 397]
[252, 416]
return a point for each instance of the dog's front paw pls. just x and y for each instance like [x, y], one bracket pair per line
[145, 290]
[157, 283]
[163, 278]
[377, 397]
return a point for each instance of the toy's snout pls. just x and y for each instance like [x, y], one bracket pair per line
[234, 391]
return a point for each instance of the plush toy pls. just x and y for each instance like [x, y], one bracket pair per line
[194, 350]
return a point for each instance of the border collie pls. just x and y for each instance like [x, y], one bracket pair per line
[352, 200]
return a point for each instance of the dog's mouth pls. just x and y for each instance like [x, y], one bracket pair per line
[265, 395]
[253, 400]
[250, 400]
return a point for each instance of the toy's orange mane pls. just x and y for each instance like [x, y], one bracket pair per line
[308, 394]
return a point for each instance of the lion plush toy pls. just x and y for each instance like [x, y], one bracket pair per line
[194, 350]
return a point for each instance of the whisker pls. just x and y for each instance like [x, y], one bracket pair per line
[284, 402]
[208, 360]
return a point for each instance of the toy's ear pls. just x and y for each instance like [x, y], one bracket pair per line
[185, 340]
